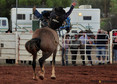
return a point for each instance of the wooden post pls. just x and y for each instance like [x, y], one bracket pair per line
[17, 54]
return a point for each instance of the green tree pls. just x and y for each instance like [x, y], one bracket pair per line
[49, 3]
[5, 7]
[113, 8]
[44, 3]
[58, 3]
[29, 3]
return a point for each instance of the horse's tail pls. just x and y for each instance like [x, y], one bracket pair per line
[33, 45]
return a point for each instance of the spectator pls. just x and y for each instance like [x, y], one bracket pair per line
[88, 50]
[115, 50]
[101, 46]
[65, 46]
[83, 39]
[115, 33]
[75, 43]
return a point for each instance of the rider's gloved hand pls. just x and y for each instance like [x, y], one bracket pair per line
[34, 8]
[74, 3]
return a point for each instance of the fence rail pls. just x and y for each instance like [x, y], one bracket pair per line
[12, 47]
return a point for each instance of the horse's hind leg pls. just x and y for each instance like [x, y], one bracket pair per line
[53, 76]
[45, 55]
[34, 66]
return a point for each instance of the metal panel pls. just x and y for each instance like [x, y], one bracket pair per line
[7, 46]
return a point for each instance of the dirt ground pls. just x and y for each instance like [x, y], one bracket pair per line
[20, 74]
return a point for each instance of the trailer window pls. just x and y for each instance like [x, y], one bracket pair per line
[33, 17]
[87, 17]
[3, 22]
[21, 16]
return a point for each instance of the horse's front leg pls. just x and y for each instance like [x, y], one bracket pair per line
[53, 76]
[34, 66]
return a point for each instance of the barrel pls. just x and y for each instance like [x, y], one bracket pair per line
[35, 24]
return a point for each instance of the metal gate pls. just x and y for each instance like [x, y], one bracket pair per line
[94, 50]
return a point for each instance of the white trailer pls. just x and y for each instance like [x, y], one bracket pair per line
[81, 18]
[3, 24]
[84, 19]
[24, 18]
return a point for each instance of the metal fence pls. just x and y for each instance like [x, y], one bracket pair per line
[12, 47]
[83, 47]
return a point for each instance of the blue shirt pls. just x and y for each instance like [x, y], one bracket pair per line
[67, 25]
[37, 14]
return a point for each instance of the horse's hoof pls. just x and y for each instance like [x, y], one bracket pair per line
[53, 77]
[34, 78]
[41, 77]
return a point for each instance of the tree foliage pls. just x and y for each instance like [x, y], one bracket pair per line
[6, 5]
[29, 3]
[108, 7]
[113, 8]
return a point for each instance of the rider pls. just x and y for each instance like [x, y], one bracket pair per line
[55, 18]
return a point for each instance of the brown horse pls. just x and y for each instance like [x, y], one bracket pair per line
[47, 40]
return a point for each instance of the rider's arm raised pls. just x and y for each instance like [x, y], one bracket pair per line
[36, 13]
[70, 10]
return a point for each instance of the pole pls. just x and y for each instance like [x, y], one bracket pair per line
[16, 61]
[111, 50]
[16, 16]
[105, 8]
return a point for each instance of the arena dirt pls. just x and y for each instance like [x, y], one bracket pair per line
[19, 74]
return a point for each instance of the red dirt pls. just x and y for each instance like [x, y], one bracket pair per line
[18, 74]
